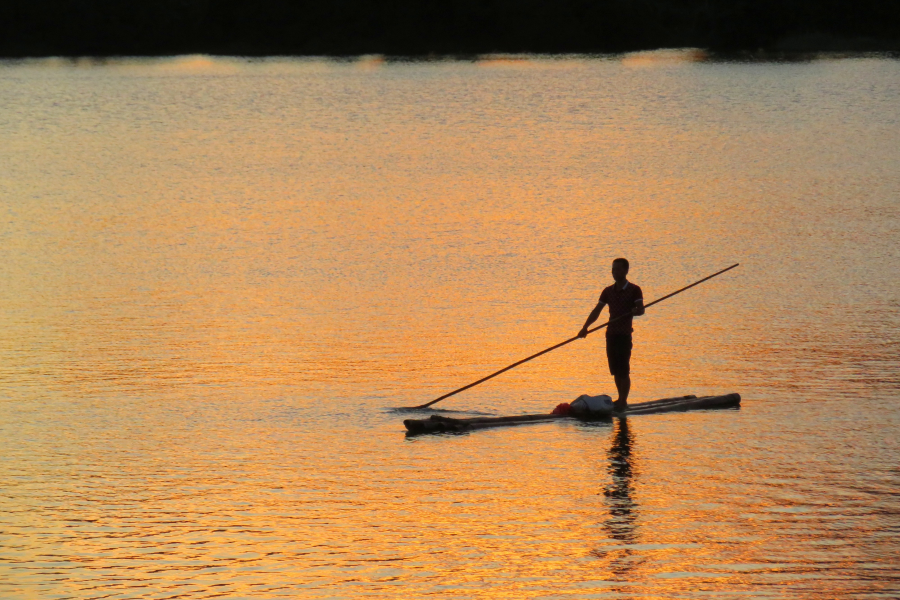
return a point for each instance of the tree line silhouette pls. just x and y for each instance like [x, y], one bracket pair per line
[448, 27]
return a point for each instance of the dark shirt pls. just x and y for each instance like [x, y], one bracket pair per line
[620, 303]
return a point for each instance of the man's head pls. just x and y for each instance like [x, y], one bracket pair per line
[620, 269]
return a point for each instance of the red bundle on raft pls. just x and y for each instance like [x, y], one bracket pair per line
[562, 409]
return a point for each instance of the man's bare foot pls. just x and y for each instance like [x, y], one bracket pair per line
[620, 405]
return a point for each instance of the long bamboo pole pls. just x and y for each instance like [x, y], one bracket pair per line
[524, 360]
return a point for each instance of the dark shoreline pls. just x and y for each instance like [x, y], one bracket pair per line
[411, 28]
[697, 55]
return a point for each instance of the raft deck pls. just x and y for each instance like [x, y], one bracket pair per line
[441, 424]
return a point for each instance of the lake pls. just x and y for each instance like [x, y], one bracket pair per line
[222, 278]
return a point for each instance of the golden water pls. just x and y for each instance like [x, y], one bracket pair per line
[220, 279]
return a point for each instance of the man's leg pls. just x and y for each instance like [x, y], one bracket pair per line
[618, 352]
[623, 385]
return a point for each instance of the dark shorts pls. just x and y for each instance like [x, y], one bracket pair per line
[618, 354]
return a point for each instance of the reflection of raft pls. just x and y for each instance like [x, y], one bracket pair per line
[440, 424]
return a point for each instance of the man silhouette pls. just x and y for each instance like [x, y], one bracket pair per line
[625, 301]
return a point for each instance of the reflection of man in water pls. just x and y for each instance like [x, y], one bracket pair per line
[625, 300]
[618, 493]
[621, 525]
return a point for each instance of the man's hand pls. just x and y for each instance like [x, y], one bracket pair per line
[583, 333]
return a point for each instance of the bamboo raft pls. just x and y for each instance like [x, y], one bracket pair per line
[441, 424]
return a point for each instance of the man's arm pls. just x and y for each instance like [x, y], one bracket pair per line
[638, 309]
[591, 318]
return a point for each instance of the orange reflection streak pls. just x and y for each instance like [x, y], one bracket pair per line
[659, 58]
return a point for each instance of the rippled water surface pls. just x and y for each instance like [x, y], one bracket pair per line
[221, 278]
